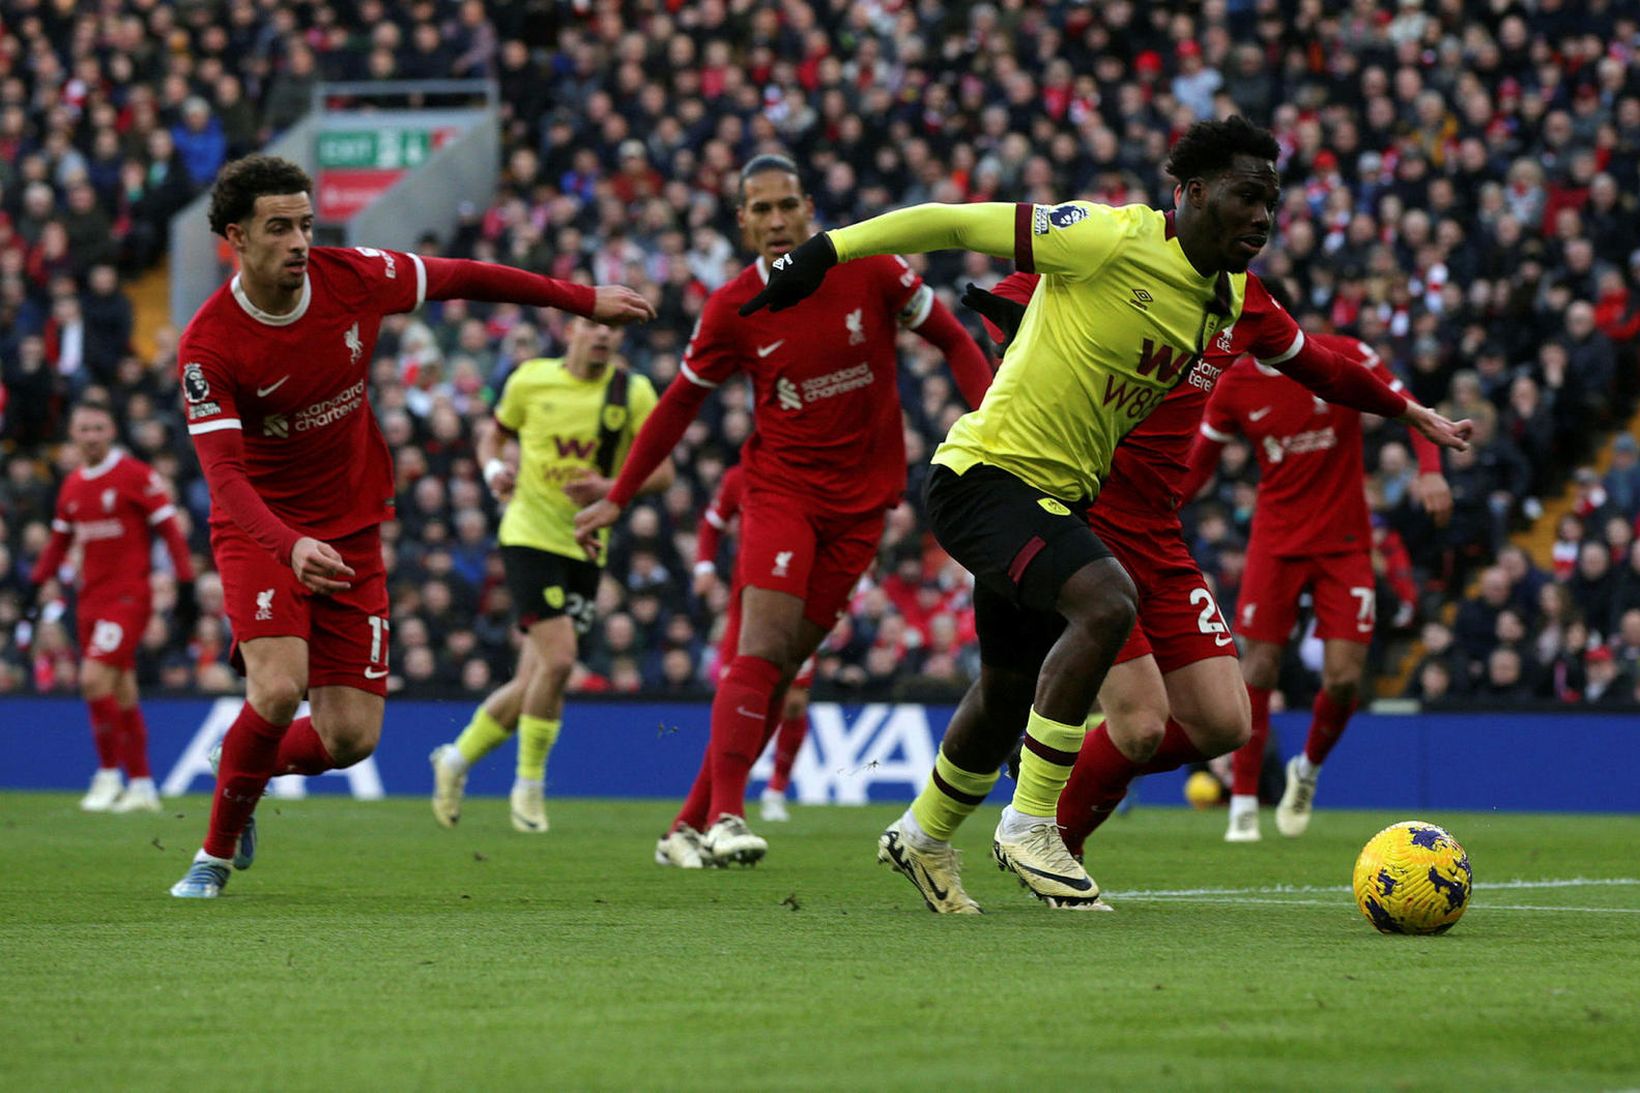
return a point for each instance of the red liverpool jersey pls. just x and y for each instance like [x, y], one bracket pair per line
[825, 391]
[1151, 461]
[110, 510]
[295, 386]
[1310, 496]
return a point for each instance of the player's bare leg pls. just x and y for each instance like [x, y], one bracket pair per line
[98, 681]
[540, 717]
[276, 675]
[1343, 663]
[1261, 667]
[493, 722]
[140, 793]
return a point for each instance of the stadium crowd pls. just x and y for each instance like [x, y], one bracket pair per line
[1460, 181]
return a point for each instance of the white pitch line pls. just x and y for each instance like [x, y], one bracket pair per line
[1118, 898]
[1320, 889]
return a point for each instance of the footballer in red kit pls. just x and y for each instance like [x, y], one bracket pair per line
[1309, 457]
[273, 371]
[826, 461]
[112, 506]
[794, 714]
[1174, 695]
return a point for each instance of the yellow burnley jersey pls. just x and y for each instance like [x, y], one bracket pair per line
[1114, 324]
[558, 419]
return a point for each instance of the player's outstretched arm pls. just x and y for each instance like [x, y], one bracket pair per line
[1439, 430]
[222, 459]
[987, 227]
[651, 448]
[1337, 379]
[461, 279]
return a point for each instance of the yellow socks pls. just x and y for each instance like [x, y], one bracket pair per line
[536, 735]
[1045, 764]
[949, 798]
[482, 735]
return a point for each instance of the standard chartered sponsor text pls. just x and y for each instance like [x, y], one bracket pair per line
[332, 409]
[837, 383]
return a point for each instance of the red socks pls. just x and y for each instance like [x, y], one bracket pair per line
[106, 718]
[134, 743]
[1249, 758]
[249, 753]
[740, 713]
[1099, 781]
[695, 805]
[1102, 774]
[301, 751]
[786, 747]
[1327, 724]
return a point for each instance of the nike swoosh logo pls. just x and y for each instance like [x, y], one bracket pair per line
[264, 392]
[1081, 884]
[1257, 414]
[939, 893]
[1222, 640]
[744, 712]
[371, 673]
[765, 350]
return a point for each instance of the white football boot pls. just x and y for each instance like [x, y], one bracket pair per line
[139, 796]
[772, 807]
[1298, 799]
[1044, 866]
[1243, 821]
[681, 849]
[729, 840]
[935, 872]
[529, 808]
[106, 787]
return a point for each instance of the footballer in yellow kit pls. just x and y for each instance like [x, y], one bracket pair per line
[1128, 299]
[573, 419]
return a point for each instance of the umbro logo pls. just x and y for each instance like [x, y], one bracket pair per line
[1141, 299]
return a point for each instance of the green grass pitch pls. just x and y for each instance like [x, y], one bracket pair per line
[369, 949]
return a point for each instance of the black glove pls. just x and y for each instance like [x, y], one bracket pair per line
[1005, 313]
[794, 276]
[187, 608]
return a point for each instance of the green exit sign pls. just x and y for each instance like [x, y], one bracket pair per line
[383, 149]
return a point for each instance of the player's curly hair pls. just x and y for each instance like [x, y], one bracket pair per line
[763, 164]
[241, 182]
[1210, 147]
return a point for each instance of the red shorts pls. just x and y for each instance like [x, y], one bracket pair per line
[1179, 620]
[347, 633]
[111, 630]
[730, 643]
[816, 557]
[1342, 586]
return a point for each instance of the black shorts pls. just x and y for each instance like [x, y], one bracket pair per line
[1021, 546]
[545, 585]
